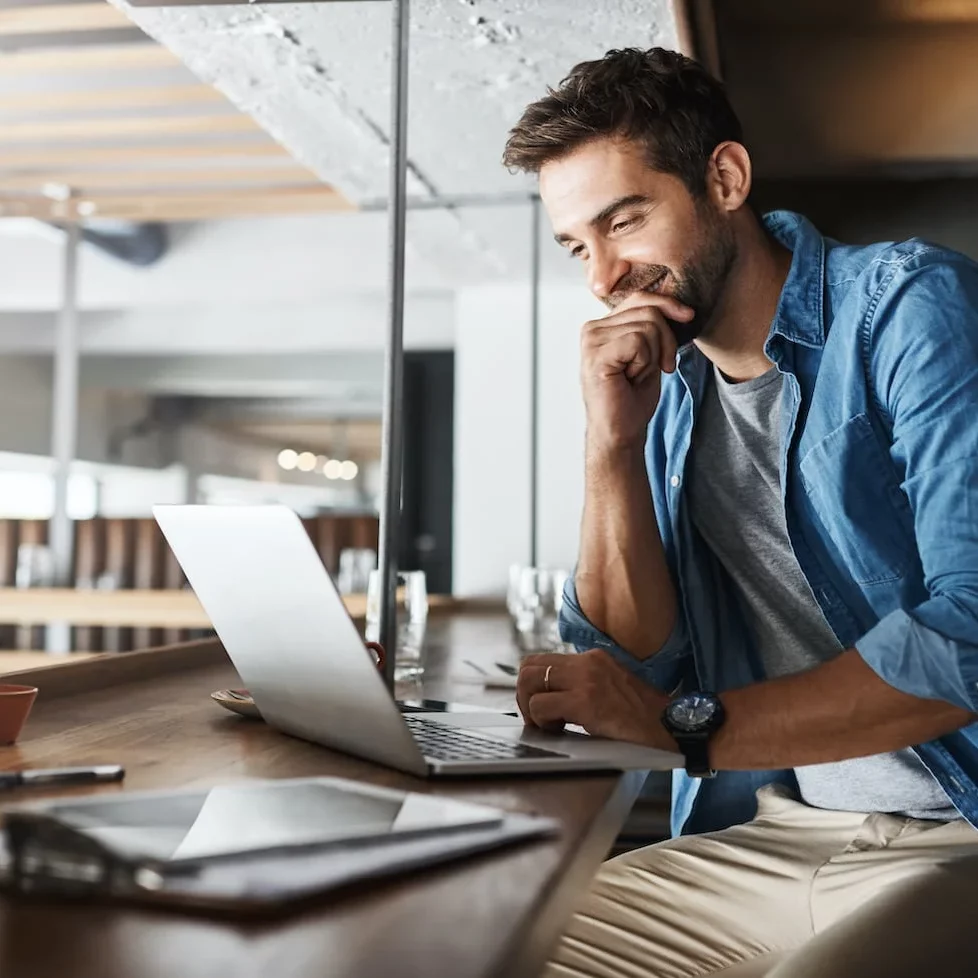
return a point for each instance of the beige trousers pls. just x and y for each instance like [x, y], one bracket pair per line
[796, 893]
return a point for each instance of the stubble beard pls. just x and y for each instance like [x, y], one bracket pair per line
[699, 282]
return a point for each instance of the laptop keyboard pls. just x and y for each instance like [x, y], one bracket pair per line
[444, 743]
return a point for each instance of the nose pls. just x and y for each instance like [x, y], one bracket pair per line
[605, 271]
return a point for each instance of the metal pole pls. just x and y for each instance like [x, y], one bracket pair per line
[393, 447]
[534, 375]
[64, 429]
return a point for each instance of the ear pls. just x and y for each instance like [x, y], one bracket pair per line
[729, 175]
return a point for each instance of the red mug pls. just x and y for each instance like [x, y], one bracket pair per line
[378, 650]
[15, 705]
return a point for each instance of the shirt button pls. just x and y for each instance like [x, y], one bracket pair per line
[674, 481]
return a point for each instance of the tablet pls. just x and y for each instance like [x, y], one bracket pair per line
[239, 819]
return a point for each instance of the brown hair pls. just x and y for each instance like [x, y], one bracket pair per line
[661, 99]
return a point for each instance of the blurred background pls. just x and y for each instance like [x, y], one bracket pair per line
[224, 171]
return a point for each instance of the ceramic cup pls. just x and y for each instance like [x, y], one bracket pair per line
[15, 705]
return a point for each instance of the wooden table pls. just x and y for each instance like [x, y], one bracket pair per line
[496, 915]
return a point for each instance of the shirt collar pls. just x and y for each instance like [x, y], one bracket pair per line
[800, 315]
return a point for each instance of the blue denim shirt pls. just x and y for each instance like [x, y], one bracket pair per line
[878, 346]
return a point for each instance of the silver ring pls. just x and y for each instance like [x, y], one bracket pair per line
[546, 679]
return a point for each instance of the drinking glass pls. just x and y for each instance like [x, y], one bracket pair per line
[355, 567]
[35, 566]
[412, 617]
[535, 601]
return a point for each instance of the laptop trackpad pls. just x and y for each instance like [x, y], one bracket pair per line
[576, 743]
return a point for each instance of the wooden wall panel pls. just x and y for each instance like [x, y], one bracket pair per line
[89, 564]
[119, 540]
[148, 574]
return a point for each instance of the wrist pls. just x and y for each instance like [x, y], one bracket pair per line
[614, 451]
[656, 734]
[692, 719]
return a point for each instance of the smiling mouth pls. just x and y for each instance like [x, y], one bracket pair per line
[655, 286]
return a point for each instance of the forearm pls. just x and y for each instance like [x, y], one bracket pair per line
[839, 710]
[623, 582]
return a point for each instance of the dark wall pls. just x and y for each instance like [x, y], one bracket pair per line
[426, 520]
[862, 211]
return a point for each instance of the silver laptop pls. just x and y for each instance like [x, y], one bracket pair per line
[288, 633]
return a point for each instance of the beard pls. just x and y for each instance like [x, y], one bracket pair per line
[698, 282]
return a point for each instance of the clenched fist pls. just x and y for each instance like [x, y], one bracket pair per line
[622, 359]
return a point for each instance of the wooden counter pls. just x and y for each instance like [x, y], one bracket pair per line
[496, 915]
[138, 608]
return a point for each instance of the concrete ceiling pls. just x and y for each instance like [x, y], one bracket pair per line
[317, 77]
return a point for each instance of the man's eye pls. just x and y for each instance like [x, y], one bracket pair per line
[577, 251]
[620, 225]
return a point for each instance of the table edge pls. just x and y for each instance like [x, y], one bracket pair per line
[530, 947]
[105, 669]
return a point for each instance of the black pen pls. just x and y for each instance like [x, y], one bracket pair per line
[96, 774]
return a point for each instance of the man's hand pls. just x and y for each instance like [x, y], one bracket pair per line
[622, 359]
[593, 691]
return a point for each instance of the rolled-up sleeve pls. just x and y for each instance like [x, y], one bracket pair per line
[664, 670]
[923, 359]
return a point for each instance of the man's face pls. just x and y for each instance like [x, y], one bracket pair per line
[638, 230]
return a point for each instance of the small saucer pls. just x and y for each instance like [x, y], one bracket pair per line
[237, 701]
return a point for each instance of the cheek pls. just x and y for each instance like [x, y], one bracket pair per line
[659, 246]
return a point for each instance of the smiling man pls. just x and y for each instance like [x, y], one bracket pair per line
[779, 561]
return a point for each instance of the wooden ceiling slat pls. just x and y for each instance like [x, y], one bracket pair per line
[71, 130]
[109, 57]
[71, 156]
[155, 175]
[111, 98]
[157, 178]
[61, 18]
[177, 207]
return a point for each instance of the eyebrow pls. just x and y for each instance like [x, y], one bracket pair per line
[603, 215]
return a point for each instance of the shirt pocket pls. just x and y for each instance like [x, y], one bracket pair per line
[852, 485]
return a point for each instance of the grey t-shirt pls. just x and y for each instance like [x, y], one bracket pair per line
[734, 493]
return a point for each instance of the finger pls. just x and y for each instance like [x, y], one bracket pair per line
[553, 709]
[533, 670]
[659, 336]
[629, 353]
[524, 690]
[645, 376]
[536, 679]
[667, 305]
[528, 683]
[668, 348]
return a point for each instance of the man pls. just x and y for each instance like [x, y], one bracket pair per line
[794, 605]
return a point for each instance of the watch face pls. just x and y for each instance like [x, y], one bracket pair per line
[692, 712]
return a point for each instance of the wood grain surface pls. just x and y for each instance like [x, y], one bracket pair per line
[139, 606]
[496, 915]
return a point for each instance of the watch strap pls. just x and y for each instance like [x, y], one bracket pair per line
[696, 750]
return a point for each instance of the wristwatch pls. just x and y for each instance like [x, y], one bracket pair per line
[692, 718]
